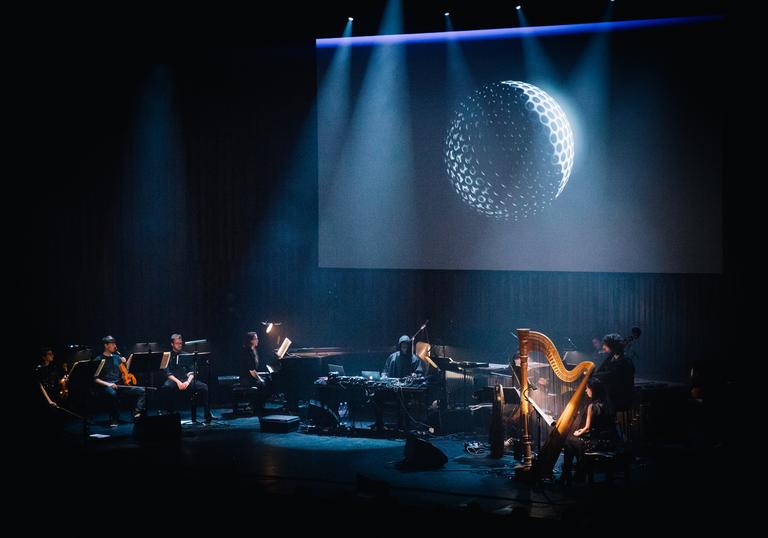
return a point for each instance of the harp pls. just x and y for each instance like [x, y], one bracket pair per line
[570, 383]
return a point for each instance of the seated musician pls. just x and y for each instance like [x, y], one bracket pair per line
[111, 385]
[401, 363]
[617, 374]
[47, 422]
[598, 433]
[250, 366]
[49, 376]
[191, 387]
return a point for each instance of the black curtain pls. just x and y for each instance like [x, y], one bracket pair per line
[172, 188]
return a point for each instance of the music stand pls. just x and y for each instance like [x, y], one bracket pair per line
[148, 362]
[283, 348]
[192, 358]
[81, 377]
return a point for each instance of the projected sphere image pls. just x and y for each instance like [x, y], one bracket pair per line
[509, 150]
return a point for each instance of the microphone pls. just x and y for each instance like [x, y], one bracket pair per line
[424, 326]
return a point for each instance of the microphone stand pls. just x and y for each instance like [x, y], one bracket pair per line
[413, 338]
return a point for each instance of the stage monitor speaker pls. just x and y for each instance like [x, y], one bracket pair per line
[322, 416]
[421, 455]
[158, 427]
[279, 423]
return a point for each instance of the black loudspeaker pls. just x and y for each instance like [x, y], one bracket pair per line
[158, 428]
[322, 416]
[421, 455]
[279, 423]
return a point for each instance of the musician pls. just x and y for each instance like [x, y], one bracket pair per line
[598, 432]
[597, 349]
[173, 385]
[110, 380]
[617, 374]
[46, 422]
[402, 362]
[48, 376]
[250, 365]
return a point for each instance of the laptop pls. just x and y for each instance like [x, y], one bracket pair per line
[335, 369]
[371, 375]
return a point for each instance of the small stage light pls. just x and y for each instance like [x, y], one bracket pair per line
[270, 325]
[519, 7]
[350, 19]
[446, 14]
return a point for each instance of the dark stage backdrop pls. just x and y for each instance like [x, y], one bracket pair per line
[176, 190]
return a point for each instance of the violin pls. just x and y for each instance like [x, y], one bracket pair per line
[128, 377]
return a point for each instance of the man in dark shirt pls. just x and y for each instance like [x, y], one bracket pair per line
[173, 385]
[48, 375]
[110, 383]
[617, 374]
[403, 362]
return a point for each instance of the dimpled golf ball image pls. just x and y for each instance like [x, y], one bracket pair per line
[509, 150]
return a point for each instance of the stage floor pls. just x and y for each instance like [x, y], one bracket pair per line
[231, 463]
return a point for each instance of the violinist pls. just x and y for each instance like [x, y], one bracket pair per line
[114, 382]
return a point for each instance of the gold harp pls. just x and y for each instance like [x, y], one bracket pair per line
[545, 460]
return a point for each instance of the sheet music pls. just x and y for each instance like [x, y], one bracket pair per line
[283, 348]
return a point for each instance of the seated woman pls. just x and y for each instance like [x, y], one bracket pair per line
[251, 369]
[598, 433]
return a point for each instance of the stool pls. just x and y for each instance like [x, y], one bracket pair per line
[241, 397]
[608, 462]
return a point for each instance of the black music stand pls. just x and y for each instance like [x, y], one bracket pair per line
[191, 358]
[147, 362]
[81, 377]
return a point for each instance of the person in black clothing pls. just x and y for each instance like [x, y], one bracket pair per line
[597, 350]
[598, 433]
[617, 374]
[250, 366]
[173, 385]
[48, 376]
[401, 363]
[110, 383]
[47, 420]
